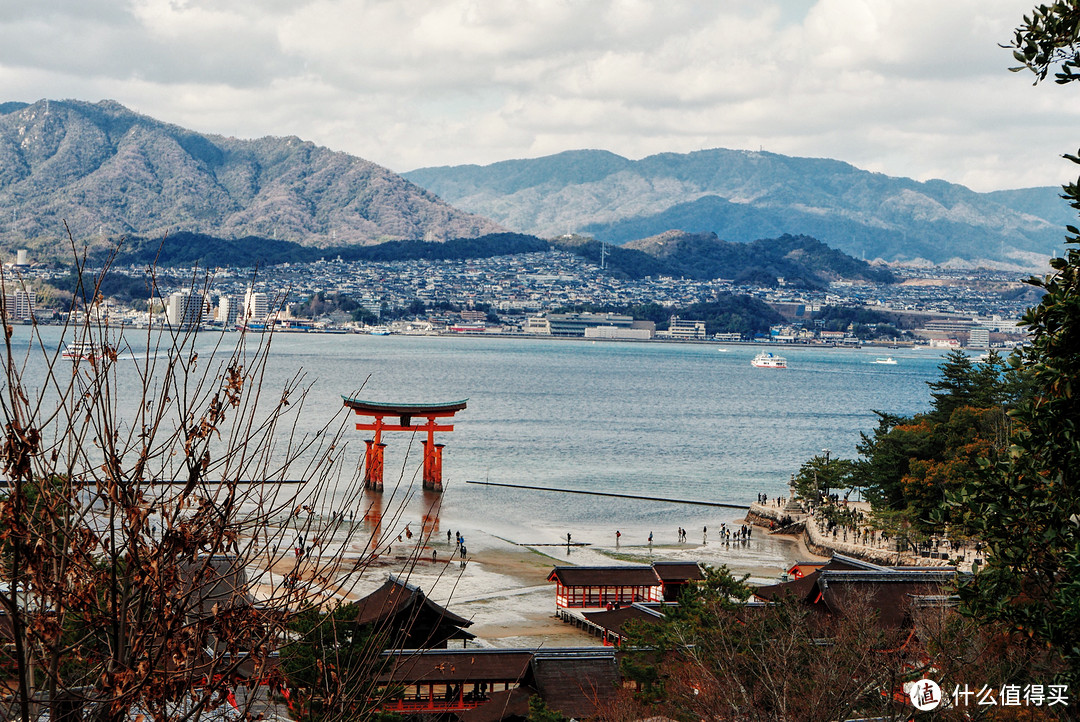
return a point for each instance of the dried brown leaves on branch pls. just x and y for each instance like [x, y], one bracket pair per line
[147, 555]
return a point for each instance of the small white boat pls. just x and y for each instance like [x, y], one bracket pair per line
[888, 360]
[769, 360]
[378, 330]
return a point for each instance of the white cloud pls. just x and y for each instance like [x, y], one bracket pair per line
[905, 87]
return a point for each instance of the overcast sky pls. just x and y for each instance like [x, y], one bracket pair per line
[916, 88]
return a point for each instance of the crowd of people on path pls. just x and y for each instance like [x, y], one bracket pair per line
[725, 534]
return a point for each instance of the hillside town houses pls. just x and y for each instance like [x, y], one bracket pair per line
[529, 294]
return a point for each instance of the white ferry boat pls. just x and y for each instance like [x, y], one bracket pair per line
[769, 360]
[885, 360]
[80, 351]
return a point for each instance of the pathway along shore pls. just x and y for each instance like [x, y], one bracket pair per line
[803, 525]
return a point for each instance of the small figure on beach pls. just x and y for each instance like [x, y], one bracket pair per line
[650, 538]
[567, 538]
[447, 536]
[434, 556]
[463, 552]
[618, 535]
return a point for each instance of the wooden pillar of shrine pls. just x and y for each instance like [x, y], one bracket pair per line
[437, 477]
[373, 465]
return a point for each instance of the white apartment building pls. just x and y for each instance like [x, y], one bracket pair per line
[537, 325]
[256, 305]
[19, 305]
[185, 308]
[979, 338]
[686, 328]
[228, 310]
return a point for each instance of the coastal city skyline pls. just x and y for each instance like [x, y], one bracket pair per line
[914, 89]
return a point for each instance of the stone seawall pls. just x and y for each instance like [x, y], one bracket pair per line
[822, 544]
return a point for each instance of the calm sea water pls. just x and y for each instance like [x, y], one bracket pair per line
[681, 421]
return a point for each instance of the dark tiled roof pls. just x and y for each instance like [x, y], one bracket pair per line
[803, 588]
[404, 409]
[506, 704]
[396, 596]
[805, 567]
[809, 563]
[613, 620]
[458, 665]
[890, 592]
[888, 576]
[621, 576]
[840, 561]
[679, 571]
[576, 684]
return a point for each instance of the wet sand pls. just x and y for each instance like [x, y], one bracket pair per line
[503, 585]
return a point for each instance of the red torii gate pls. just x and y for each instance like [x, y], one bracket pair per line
[373, 459]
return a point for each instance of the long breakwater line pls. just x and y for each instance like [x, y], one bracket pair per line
[612, 494]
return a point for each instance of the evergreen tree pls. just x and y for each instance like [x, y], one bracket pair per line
[957, 386]
[1026, 506]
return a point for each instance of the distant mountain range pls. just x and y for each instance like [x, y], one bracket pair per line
[108, 171]
[744, 195]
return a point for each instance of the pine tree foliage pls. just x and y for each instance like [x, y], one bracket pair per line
[1026, 506]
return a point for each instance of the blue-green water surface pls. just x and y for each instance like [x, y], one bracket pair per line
[672, 420]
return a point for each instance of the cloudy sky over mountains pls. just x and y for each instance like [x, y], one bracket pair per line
[914, 88]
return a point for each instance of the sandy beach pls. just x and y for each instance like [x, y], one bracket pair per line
[502, 586]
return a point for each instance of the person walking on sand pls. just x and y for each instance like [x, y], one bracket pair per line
[618, 535]
[650, 538]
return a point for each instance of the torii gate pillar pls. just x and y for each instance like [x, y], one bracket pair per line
[373, 458]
